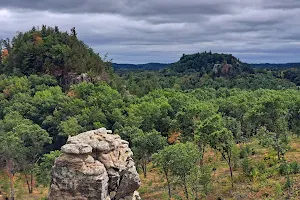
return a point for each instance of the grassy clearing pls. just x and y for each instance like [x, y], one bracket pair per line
[265, 183]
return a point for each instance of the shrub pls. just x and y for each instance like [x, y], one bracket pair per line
[177, 197]
[295, 167]
[271, 159]
[261, 166]
[235, 157]
[244, 152]
[246, 166]
[278, 190]
[284, 168]
[254, 173]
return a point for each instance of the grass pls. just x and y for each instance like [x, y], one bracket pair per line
[21, 191]
[266, 184]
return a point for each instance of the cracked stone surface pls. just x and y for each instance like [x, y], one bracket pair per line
[95, 165]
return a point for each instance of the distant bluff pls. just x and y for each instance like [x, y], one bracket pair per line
[48, 50]
[95, 165]
[214, 64]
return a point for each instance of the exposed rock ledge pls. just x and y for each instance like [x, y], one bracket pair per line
[95, 165]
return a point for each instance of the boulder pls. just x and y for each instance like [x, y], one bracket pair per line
[95, 165]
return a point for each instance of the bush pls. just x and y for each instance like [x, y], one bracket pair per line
[254, 173]
[295, 167]
[246, 166]
[278, 190]
[244, 152]
[271, 159]
[284, 168]
[235, 157]
[261, 166]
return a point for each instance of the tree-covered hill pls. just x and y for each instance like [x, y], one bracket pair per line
[210, 63]
[139, 67]
[208, 70]
[276, 65]
[48, 50]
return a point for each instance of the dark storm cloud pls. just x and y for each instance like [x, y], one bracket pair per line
[126, 7]
[162, 30]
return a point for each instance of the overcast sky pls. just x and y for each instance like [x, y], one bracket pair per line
[141, 31]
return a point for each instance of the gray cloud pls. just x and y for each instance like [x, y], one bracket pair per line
[161, 31]
[126, 7]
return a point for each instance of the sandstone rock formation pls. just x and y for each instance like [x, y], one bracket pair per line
[95, 165]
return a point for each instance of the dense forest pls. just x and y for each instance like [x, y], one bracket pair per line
[47, 50]
[207, 124]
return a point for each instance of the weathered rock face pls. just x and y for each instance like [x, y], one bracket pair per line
[95, 165]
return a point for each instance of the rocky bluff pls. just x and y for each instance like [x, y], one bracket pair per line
[95, 165]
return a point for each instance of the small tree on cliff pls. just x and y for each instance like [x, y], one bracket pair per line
[146, 144]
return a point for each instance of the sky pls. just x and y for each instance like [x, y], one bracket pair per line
[142, 31]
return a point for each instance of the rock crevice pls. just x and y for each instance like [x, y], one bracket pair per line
[95, 165]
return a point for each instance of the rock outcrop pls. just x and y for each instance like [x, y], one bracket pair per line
[95, 165]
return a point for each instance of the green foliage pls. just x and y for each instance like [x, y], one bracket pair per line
[223, 141]
[288, 183]
[48, 50]
[42, 170]
[205, 70]
[217, 64]
[183, 159]
[128, 133]
[212, 98]
[205, 129]
[295, 167]
[200, 181]
[246, 166]
[284, 168]
[144, 145]
[289, 168]
[244, 152]
[4, 183]
[278, 141]
[37, 108]
[261, 166]
[176, 162]
[278, 190]
[21, 140]
[21, 144]
[70, 127]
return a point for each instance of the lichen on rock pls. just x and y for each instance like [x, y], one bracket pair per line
[95, 165]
